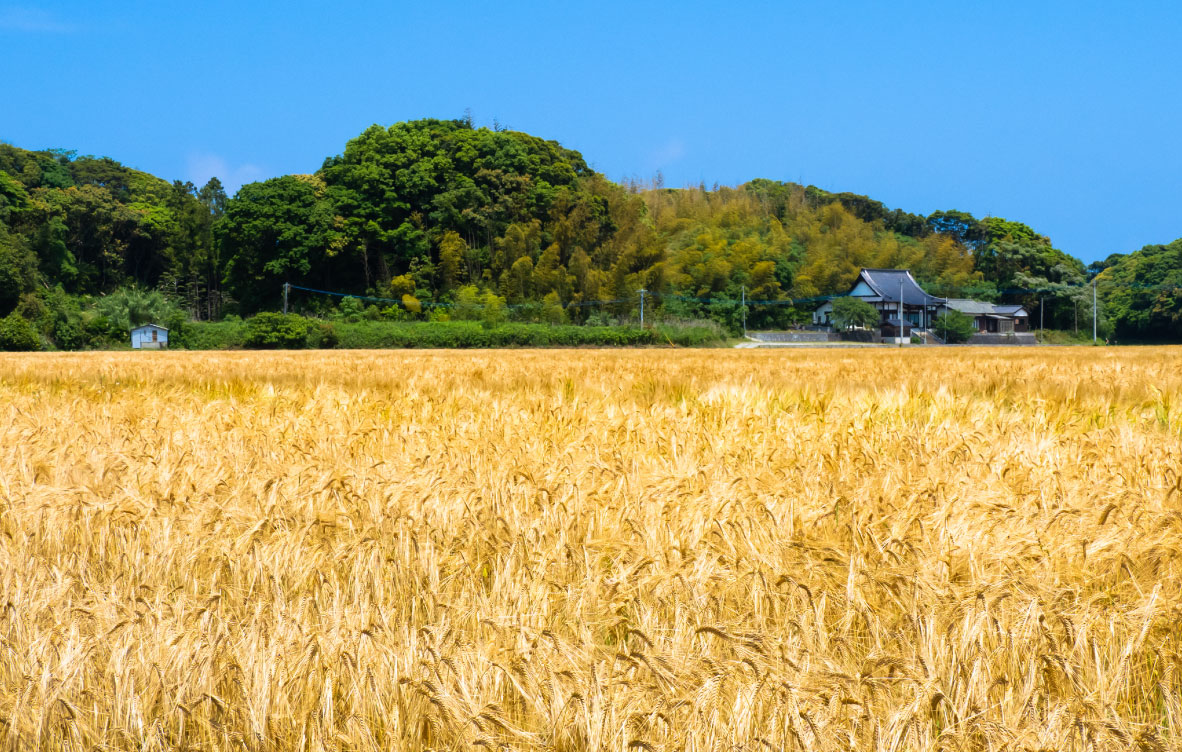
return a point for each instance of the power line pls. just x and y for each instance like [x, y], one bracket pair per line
[440, 304]
[741, 302]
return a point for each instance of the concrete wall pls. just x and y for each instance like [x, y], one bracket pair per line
[860, 335]
[1017, 338]
[793, 336]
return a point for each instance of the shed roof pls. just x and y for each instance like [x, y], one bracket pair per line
[889, 282]
[1011, 310]
[149, 326]
[982, 308]
[964, 305]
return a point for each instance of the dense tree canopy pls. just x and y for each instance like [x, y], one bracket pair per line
[1015, 264]
[435, 214]
[278, 231]
[1142, 292]
[93, 225]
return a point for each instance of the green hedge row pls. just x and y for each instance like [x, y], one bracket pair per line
[209, 335]
[376, 335]
[270, 331]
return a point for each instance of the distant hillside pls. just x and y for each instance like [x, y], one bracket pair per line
[1143, 292]
[426, 207]
[91, 225]
[433, 210]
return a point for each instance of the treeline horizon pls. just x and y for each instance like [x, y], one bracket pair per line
[435, 212]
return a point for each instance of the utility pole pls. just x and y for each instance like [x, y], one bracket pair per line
[286, 287]
[1042, 307]
[743, 310]
[642, 293]
[1094, 315]
[900, 312]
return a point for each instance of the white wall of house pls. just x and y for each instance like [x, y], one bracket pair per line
[824, 314]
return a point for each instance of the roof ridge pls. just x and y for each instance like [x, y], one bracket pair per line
[881, 286]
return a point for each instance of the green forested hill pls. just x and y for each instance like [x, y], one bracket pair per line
[1143, 292]
[437, 212]
[90, 226]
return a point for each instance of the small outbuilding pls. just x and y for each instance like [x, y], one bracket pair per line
[990, 318]
[149, 337]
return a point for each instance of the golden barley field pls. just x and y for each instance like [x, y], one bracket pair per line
[953, 549]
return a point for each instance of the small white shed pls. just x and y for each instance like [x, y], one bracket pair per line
[149, 337]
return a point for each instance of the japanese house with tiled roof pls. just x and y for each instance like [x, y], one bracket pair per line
[885, 289]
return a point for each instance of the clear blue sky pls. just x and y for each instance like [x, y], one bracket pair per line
[1063, 115]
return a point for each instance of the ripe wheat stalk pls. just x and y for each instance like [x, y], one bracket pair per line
[650, 550]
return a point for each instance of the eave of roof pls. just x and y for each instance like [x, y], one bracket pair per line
[1014, 310]
[915, 295]
[971, 307]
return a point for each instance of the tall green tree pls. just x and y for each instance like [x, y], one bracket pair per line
[274, 232]
[18, 270]
[452, 250]
[848, 312]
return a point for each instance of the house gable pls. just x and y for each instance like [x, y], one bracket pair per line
[862, 290]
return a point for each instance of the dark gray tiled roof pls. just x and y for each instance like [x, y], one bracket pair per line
[982, 308]
[887, 283]
[1009, 309]
[970, 307]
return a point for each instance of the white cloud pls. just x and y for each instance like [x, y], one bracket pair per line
[33, 20]
[202, 166]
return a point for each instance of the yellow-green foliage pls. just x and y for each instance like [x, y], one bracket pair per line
[825, 550]
[733, 235]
